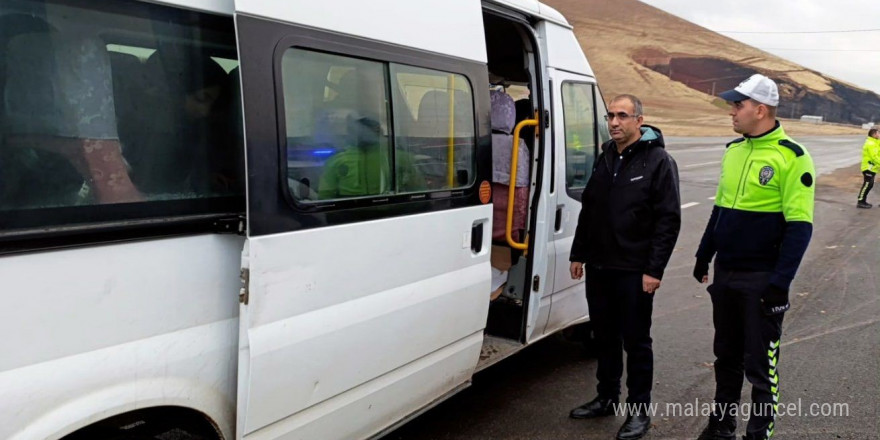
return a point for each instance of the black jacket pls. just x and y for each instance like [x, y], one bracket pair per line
[631, 221]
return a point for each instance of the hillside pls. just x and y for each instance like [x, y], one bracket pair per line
[674, 66]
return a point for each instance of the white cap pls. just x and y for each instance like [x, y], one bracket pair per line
[757, 87]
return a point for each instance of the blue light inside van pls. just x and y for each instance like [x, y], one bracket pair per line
[323, 153]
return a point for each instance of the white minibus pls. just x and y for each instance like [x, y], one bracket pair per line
[261, 219]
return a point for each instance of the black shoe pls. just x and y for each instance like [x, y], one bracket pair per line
[636, 426]
[864, 205]
[598, 407]
[716, 431]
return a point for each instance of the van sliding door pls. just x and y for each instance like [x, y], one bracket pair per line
[366, 267]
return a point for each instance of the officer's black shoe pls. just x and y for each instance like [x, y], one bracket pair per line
[636, 426]
[714, 431]
[598, 407]
[864, 205]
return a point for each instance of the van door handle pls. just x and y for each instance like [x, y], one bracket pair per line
[558, 223]
[477, 238]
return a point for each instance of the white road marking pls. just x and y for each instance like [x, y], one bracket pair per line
[712, 198]
[688, 205]
[694, 165]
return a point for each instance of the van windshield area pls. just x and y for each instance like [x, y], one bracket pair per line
[116, 111]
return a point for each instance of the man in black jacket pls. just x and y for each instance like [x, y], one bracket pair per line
[628, 225]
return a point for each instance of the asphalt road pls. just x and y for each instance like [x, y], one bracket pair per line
[830, 344]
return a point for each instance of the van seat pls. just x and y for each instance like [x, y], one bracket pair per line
[503, 121]
[428, 140]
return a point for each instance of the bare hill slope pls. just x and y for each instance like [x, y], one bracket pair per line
[676, 67]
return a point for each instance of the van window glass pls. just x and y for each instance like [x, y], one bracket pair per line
[580, 133]
[338, 128]
[115, 103]
[434, 127]
[604, 134]
[358, 128]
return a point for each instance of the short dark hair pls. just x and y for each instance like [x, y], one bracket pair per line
[771, 110]
[636, 102]
[873, 131]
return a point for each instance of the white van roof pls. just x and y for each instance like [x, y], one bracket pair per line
[535, 8]
[427, 20]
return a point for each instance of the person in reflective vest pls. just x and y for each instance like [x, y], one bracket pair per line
[870, 166]
[759, 229]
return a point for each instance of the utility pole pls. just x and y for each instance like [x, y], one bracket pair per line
[713, 88]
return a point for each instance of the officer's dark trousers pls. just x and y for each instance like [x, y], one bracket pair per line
[746, 340]
[867, 185]
[621, 315]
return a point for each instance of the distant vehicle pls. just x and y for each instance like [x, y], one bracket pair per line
[189, 243]
[812, 119]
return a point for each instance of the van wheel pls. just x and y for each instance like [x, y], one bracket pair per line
[151, 424]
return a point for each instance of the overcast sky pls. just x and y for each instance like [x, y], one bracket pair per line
[853, 57]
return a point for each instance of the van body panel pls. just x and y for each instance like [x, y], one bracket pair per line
[76, 364]
[318, 331]
[563, 50]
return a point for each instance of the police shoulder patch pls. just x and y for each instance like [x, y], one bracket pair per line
[807, 179]
[735, 141]
[798, 150]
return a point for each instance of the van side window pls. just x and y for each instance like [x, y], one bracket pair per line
[122, 103]
[349, 136]
[580, 133]
[604, 134]
[434, 125]
[338, 127]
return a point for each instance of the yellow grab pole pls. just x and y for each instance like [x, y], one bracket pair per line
[450, 151]
[514, 160]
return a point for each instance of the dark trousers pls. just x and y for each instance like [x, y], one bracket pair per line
[746, 340]
[866, 186]
[621, 315]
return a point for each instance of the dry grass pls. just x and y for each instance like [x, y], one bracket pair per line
[811, 80]
[611, 32]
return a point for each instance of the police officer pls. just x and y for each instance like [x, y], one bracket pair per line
[758, 232]
[870, 165]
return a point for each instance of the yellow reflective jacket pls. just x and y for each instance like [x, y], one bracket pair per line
[871, 155]
[763, 215]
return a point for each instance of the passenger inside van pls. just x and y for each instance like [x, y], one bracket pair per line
[187, 144]
[364, 165]
[59, 117]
